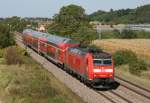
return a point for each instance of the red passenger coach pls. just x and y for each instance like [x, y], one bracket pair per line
[35, 40]
[91, 65]
[51, 46]
[42, 45]
[27, 36]
[56, 47]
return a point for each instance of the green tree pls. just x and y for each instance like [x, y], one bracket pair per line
[85, 35]
[73, 22]
[6, 38]
[142, 14]
[69, 19]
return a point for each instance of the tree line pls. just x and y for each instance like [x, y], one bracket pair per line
[124, 16]
[8, 26]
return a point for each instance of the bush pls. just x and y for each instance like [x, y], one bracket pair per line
[128, 34]
[137, 67]
[143, 34]
[119, 60]
[110, 34]
[124, 57]
[12, 56]
[1, 53]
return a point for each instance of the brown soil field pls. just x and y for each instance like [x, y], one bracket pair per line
[140, 46]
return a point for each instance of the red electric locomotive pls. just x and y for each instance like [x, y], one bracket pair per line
[92, 66]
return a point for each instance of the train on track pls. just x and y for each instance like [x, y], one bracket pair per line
[92, 66]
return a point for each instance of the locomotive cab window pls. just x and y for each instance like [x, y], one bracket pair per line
[97, 62]
[102, 62]
[107, 62]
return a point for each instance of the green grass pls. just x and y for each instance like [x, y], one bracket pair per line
[147, 61]
[31, 83]
[143, 80]
[2, 60]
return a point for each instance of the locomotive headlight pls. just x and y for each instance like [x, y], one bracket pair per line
[108, 70]
[97, 70]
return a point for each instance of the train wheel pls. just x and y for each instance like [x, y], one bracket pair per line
[62, 66]
[70, 72]
[88, 84]
[82, 79]
[79, 77]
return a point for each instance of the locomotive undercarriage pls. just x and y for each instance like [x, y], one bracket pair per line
[102, 83]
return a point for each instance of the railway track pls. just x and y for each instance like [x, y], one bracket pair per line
[123, 94]
[148, 90]
[114, 97]
[127, 94]
[134, 87]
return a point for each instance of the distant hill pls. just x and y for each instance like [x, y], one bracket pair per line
[137, 15]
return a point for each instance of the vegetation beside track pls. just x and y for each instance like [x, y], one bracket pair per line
[125, 34]
[143, 80]
[6, 38]
[28, 82]
[131, 57]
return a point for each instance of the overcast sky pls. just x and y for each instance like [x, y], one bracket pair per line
[47, 8]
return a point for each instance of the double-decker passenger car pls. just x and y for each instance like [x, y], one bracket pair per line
[51, 46]
[56, 47]
[34, 39]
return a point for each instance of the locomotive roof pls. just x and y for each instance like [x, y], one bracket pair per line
[97, 53]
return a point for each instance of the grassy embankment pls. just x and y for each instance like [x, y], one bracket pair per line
[29, 82]
[140, 46]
